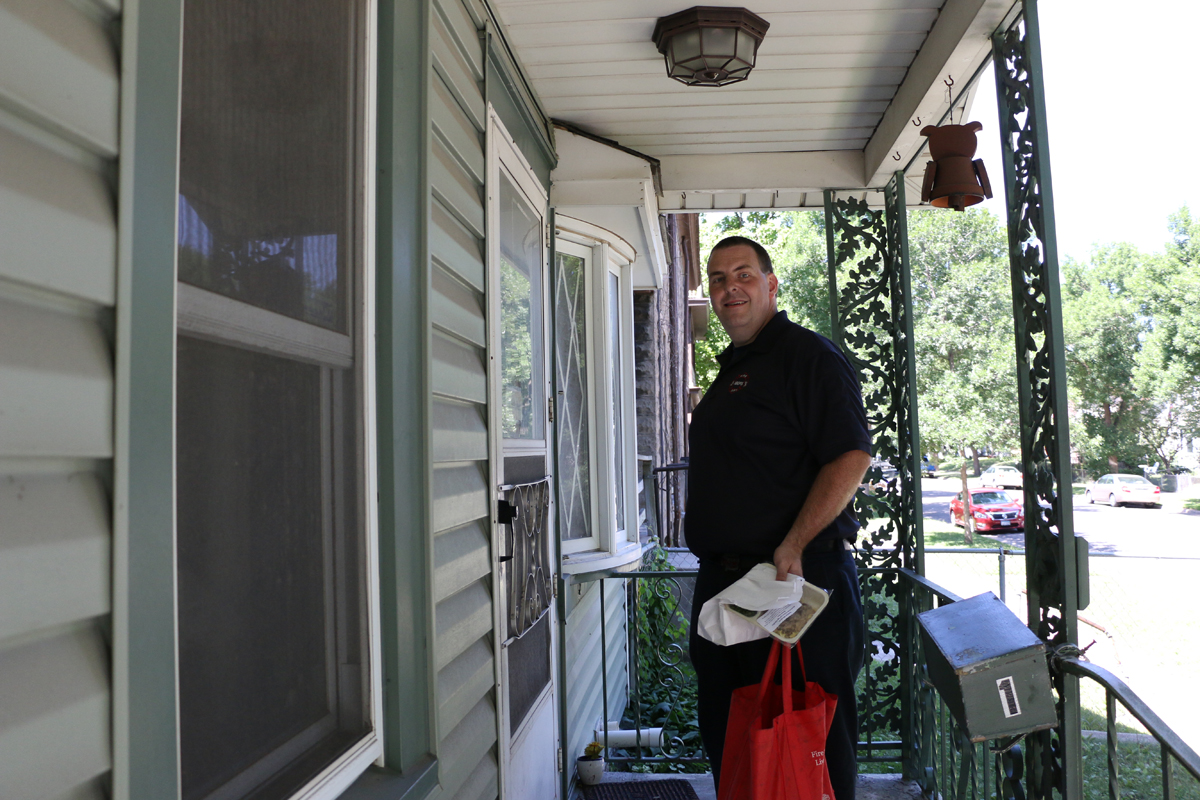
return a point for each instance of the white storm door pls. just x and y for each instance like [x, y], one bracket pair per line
[524, 552]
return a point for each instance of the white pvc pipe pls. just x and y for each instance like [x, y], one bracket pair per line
[646, 737]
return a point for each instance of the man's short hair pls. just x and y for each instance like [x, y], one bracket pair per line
[764, 258]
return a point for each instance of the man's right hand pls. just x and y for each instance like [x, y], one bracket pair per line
[788, 557]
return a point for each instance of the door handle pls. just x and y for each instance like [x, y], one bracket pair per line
[506, 514]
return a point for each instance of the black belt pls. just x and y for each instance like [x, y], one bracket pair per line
[731, 562]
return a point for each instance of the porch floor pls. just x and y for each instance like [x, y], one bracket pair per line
[870, 787]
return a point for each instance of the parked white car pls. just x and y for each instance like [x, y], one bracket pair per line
[1119, 490]
[1002, 475]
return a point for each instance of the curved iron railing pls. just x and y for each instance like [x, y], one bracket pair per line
[1116, 691]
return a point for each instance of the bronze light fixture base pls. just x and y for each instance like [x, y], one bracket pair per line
[710, 46]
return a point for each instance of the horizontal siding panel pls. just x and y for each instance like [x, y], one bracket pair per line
[56, 385]
[462, 619]
[62, 67]
[459, 496]
[458, 130]
[544, 57]
[484, 783]
[455, 188]
[461, 557]
[627, 86]
[458, 369]
[457, 248]
[816, 145]
[57, 222]
[459, 432]
[92, 790]
[466, 34]
[55, 551]
[756, 102]
[448, 61]
[463, 683]
[457, 308]
[466, 746]
[478, 12]
[785, 25]
[54, 715]
[585, 696]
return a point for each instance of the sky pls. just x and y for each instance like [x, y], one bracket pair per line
[1122, 117]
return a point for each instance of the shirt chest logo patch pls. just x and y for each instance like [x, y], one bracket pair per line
[739, 383]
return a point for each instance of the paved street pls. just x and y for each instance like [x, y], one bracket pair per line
[1123, 531]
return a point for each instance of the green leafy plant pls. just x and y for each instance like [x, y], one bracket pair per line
[665, 692]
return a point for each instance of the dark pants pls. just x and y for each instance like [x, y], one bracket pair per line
[833, 657]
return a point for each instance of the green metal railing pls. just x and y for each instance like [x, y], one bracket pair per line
[662, 683]
[931, 750]
[1172, 749]
[946, 764]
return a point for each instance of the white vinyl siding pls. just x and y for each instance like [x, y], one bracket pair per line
[584, 694]
[463, 655]
[59, 83]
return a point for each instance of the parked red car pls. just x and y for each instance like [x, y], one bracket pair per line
[993, 509]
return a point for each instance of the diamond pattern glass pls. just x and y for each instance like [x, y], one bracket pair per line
[570, 356]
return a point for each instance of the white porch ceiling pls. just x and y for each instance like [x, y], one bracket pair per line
[828, 104]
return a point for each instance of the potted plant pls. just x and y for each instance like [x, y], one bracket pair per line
[590, 765]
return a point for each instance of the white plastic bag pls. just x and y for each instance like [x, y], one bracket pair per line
[756, 591]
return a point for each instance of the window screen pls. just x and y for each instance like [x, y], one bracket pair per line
[273, 664]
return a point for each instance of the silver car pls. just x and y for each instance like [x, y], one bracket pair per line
[1002, 475]
[1119, 490]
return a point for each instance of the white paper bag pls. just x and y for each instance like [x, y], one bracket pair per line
[757, 591]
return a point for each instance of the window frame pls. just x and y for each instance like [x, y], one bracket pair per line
[590, 252]
[611, 255]
[145, 708]
[207, 315]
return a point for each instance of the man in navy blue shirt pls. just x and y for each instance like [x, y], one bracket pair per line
[778, 446]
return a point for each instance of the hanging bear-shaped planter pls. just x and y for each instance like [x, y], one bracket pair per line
[952, 179]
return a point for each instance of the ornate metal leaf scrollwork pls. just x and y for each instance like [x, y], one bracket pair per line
[871, 321]
[663, 686]
[1040, 371]
[529, 570]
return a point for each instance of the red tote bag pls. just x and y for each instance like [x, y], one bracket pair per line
[775, 741]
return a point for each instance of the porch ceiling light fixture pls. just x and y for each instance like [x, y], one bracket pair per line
[710, 46]
[952, 179]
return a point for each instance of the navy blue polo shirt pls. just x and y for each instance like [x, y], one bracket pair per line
[781, 408]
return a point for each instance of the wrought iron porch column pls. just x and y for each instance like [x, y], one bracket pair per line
[872, 322]
[1054, 758]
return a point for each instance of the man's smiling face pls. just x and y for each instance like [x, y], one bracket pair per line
[742, 295]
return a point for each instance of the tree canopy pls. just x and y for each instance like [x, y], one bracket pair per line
[1131, 324]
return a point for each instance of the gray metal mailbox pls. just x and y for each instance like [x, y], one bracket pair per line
[990, 669]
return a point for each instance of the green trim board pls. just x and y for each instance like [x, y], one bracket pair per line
[524, 121]
[145, 717]
[402, 360]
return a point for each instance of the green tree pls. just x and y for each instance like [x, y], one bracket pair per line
[962, 324]
[1104, 326]
[1168, 370]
